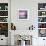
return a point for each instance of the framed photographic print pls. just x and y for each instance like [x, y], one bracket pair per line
[23, 14]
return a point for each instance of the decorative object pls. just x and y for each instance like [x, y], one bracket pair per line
[6, 7]
[0, 7]
[23, 40]
[41, 19]
[3, 13]
[13, 27]
[3, 19]
[4, 29]
[3, 6]
[43, 13]
[31, 27]
[42, 25]
[23, 14]
[22, 43]
[41, 6]
[42, 32]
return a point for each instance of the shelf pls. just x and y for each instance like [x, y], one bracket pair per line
[4, 19]
[3, 10]
[41, 28]
[3, 22]
[42, 19]
[42, 16]
[41, 10]
[41, 22]
[3, 16]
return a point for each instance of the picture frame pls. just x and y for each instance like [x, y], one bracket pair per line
[23, 14]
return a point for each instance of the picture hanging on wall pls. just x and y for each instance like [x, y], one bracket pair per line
[23, 14]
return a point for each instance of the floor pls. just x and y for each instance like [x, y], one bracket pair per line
[3, 45]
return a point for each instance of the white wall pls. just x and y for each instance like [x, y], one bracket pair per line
[32, 6]
[23, 4]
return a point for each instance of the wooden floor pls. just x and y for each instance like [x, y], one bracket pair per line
[3, 45]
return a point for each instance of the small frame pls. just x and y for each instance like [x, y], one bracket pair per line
[23, 14]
